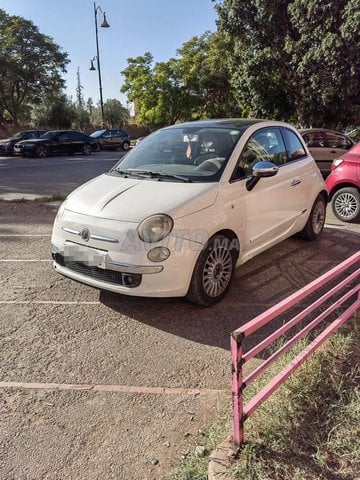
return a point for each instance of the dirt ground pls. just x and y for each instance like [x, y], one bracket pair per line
[96, 385]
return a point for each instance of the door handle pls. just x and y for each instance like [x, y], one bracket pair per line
[295, 181]
[333, 151]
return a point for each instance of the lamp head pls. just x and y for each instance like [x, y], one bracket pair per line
[104, 23]
[92, 67]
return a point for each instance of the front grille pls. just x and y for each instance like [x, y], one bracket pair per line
[130, 280]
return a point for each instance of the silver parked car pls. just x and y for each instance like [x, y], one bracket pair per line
[325, 146]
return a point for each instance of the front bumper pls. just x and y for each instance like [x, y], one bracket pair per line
[106, 261]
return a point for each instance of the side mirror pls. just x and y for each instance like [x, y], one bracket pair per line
[264, 169]
[261, 170]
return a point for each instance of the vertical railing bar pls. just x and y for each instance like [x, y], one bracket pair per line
[236, 346]
[298, 336]
[280, 331]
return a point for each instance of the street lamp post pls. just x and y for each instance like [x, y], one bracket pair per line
[104, 24]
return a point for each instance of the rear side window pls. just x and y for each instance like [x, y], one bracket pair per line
[314, 139]
[337, 141]
[294, 147]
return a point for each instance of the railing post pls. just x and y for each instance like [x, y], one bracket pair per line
[237, 390]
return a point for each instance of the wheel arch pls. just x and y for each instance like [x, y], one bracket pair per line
[231, 235]
[339, 186]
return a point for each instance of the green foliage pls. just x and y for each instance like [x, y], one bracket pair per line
[31, 65]
[115, 115]
[193, 86]
[58, 112]
[295, 60]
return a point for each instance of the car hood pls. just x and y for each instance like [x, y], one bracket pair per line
[132, 200]
[6, 140]
[31, 140]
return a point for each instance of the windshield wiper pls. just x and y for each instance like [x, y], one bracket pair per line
[126, 173]
[159, 175]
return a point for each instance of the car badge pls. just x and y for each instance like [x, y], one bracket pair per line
[85, 234]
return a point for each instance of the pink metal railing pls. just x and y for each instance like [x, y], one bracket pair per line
[240, 411]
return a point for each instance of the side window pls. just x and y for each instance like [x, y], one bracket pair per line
[265, 145]
[337, 141]
[314, 139]
[107, 134]
[62, 137]
[294, 147]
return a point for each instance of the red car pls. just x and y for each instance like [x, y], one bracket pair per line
[343, 185]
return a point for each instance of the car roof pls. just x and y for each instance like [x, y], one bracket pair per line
[222, 122]
[306, 130]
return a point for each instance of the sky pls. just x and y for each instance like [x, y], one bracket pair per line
[136, 26]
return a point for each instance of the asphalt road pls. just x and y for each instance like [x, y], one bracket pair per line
[51, 175]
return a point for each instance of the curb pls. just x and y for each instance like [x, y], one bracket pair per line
[17, 197]
[9, 197]
[221, 460]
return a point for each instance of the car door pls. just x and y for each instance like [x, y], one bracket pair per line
[107, 139]
[269, 211]
[76, 142]
[316, 142]
[337, 144]
[60, 145]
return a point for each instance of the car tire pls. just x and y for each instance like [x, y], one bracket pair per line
[316, 221]
[86, 149]
[41, 151]
[213, 272]
[126, 146]
[96, 147]
[346, 204]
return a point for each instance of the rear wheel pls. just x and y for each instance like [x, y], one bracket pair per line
[86, 150]
[125, 146]
[316, 221]
[41, 151]
[346, 204]
[213, 272]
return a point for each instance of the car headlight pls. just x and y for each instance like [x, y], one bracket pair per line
[155, 228]
[60, 212]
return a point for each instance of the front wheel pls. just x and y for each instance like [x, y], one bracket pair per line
[126, 146]
[316, 221]
[41, 151]
[213, 272]
[346, 204]
[86, 150]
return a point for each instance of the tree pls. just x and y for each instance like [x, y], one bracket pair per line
[59, 112]
[294, 60]
[193, 86]
[82, 114]
[205, 73]
[115, 115]
[31, 65]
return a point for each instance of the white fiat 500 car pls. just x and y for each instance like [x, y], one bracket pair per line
[179, 212]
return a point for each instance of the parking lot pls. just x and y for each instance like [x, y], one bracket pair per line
[99, 385]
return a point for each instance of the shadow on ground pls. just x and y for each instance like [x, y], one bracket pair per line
[259, 284]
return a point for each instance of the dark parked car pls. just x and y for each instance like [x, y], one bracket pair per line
[56, 142]
[325, 146]
[112, 139]
[343, 185]
[7, 144]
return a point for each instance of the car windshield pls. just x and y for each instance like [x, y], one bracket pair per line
[18, 135]
[181, 153]
[97, 134]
